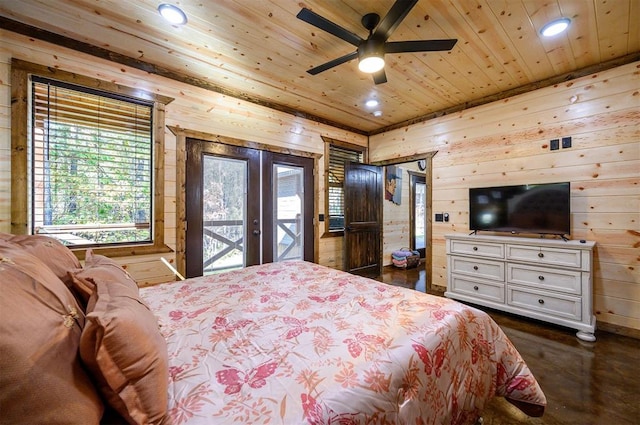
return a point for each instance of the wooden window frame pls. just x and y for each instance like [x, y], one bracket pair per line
[328, 142]
[20, 81]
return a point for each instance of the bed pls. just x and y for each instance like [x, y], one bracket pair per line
[285, 343]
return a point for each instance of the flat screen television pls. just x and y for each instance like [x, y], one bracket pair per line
[530, 208]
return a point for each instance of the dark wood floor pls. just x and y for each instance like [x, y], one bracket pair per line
[585, 383]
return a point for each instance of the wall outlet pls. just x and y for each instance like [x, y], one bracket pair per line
[439, 217]
[554, 144]
[566, 142]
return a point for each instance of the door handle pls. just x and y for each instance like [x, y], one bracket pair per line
[256, 232]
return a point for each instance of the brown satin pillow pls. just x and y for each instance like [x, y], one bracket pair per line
[41, 374]
[100, 267]
[122, 345]
[50, 251]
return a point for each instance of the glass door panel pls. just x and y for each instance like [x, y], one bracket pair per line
[224, 213]
[288, 225]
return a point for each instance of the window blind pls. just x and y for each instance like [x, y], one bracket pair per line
[337, 158]
[91, 165]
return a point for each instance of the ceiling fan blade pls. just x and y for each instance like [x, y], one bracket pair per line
[346, 58]
[419, 46]
[396, 14]
[328, 26]
[380, 77]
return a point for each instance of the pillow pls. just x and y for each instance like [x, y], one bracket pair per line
[50, 251]
[122, 345]
[41, 374]
[98, 266]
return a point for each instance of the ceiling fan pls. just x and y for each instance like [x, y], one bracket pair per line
[371, 51]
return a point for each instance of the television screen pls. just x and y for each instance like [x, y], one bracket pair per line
[531, 208]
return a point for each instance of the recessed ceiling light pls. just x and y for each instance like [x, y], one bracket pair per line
[555, 27]
[377, 114]
[371, 103]
[173, 14]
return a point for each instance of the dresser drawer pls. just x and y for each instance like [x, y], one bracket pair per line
[480, 249]
[564, 306]
[543, 255]
[568, 281]
[485, 290]
[484, 269]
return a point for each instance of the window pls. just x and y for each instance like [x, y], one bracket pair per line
[89, 161]
[338, 153]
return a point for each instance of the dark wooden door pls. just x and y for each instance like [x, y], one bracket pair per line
[223, 211]
[363, 193]
[288, 207]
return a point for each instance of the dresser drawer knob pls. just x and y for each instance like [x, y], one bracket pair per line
[475, 248]
[475, 288]
[475, 267]
[540, 301]
[540, 254]
[540, 277]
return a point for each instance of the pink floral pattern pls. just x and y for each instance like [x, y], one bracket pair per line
[299, 343]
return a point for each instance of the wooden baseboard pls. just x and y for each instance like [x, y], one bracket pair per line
[618, 330]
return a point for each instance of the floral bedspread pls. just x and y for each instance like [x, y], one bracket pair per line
[299, 343]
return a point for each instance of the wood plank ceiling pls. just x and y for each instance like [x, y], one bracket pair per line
[257, 50]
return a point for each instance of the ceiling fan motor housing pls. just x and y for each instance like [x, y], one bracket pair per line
[370, 48]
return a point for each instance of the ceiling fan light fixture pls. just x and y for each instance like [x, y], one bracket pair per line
[555, 27]
[371, 56]
[172, 14]
[371, 64]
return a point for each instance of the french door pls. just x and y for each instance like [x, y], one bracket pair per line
[246, 207]
[288, 199]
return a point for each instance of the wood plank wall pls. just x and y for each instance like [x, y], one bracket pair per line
[507, 142]
[194, 109]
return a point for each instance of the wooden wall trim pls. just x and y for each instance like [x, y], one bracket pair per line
[232, 141]
[618, 329]
[20, 73]
[181, 199]
[19, 160]
[81, 80]
[409, 158]
[64, 41]
[428, 173]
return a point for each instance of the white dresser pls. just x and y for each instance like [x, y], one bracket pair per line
[545, 279]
